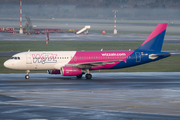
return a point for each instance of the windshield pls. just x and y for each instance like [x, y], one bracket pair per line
[16, 58]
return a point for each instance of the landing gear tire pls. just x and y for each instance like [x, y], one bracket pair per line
[79, 76]
[88, 76]
[27, 76]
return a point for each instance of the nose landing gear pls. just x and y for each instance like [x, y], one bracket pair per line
[27, 74]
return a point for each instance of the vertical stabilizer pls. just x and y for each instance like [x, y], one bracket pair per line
[155, 40]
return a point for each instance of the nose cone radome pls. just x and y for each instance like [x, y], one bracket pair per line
[7, 64]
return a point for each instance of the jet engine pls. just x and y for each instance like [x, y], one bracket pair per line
[70, 71]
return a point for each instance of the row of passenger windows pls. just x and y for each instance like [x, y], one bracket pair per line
[100, 57]
[53, 58]
[85, 58]
[16, 58]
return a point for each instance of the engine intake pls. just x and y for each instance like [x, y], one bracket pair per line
[70, 71]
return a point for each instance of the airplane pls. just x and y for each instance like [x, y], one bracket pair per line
[77, 63]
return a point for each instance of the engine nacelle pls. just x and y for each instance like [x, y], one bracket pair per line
[70, 71]
[54, 72]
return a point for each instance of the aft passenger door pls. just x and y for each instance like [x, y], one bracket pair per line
[138, 57]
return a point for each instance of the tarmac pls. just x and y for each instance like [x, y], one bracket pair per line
[107, 96]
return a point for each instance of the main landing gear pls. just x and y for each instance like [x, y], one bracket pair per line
[88, 75]
[79, 76]
[27, 74]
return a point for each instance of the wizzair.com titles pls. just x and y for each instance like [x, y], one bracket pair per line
[114, 54]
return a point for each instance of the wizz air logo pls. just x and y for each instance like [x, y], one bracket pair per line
[44, 58]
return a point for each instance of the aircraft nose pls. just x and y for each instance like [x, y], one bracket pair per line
[7, 64]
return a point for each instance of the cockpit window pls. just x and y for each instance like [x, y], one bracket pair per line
[16, 58]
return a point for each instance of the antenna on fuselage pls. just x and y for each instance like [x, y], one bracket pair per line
[29, 50]
[102, 49]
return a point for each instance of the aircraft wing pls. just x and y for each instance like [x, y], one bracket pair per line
[90, 64]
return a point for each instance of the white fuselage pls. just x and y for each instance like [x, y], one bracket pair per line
[40, 60]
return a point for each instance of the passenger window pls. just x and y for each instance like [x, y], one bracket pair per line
[18, 58]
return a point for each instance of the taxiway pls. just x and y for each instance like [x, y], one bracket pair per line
[154, 95]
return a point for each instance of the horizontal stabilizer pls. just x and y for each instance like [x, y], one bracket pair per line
[154, 56]
[159, 55]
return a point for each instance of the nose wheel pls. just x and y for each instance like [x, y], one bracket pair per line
[27, 74]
